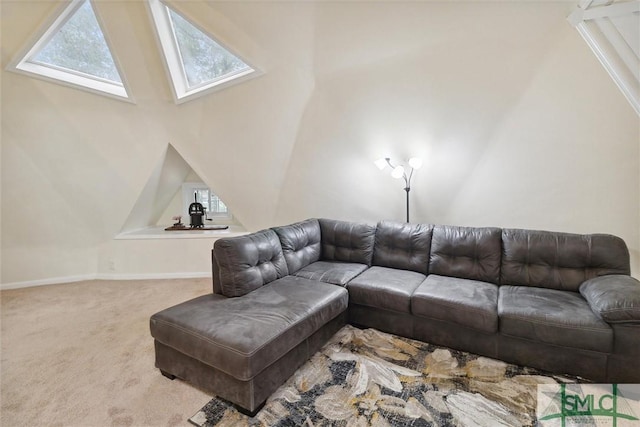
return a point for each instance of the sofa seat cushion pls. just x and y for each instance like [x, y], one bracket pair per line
[469, 303]
[243, 336]
[335, 272]
[552, 316]
[384, 287]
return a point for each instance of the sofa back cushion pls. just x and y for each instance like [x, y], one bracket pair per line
[560, 260]
[466, 252]
[403, 246]
[347, 241]
[300, 243]
[247, 262]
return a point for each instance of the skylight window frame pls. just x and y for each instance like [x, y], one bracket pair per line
[166, 36]
[209, 83]
[25, 62]
[592, 19]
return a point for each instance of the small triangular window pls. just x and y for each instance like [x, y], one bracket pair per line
[73, 50]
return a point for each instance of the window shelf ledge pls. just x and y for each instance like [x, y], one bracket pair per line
[159, 232]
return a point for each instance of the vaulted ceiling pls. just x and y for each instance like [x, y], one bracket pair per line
[518, 123]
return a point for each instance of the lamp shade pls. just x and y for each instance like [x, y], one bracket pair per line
[397, 172]
[415, 162]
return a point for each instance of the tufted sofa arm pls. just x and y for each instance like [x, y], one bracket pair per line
[615, 298]
[245, 263]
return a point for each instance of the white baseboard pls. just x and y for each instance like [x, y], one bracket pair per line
[101, 276]
[153, 276]
[44, 282]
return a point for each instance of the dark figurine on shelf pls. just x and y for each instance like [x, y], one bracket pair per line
[196, 212]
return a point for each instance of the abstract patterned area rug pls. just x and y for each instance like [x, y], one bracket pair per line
[370, 378]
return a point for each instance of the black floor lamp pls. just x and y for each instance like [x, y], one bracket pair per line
[399, 171]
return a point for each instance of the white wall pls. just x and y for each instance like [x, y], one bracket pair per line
[517, 121]
[519, 124]
[74, 164]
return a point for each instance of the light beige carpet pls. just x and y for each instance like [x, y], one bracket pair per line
[80, 354]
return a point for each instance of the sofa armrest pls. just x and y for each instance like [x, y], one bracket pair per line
[615, 298]
[247, 262]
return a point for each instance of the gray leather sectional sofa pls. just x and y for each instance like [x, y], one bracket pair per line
[556, 301]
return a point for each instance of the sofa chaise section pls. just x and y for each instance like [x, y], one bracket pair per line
[243, 346]
[243, 336]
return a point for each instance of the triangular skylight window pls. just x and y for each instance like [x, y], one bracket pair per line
[203, 59]
[74, 50]
[195, 60]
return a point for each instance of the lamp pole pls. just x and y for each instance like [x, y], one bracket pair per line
[407, 189]
[407, 179]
